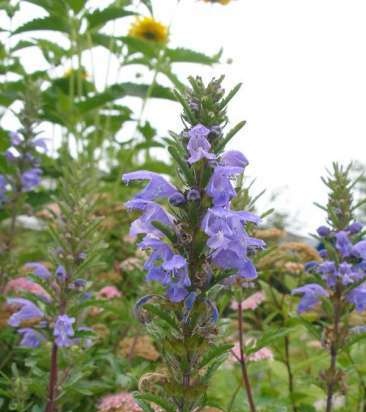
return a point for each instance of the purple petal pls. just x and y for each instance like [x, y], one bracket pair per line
[157, 187]
[234, 158]
[38, 269]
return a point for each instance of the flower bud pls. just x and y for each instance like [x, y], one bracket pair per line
[323, 231]
[177, 199]
[355, 227]
[193, 195]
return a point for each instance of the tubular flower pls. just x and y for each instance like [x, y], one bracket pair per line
[311, 295]
[157, 187]
[147, 28]
[27, 311]
[30, 338]
[64, 331]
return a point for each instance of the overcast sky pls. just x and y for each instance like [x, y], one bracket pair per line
[303, 69]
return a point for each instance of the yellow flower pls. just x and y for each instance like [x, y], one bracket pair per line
[223, 2]
[72, 72]
[147, 28]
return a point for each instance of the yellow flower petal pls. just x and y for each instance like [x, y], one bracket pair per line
[147, 28]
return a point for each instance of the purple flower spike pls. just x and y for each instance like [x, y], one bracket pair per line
[312, 293]
[198, 145]
[38, 269]
[27, 311]
[64, 331]
[31, 178]
[157, 187]
[357, 297]
[30, 338]
[234, 158]
[359, 249]
[343, 244]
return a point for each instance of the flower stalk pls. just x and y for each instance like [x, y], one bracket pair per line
[199, 243]
[339, 280]
[243, 365]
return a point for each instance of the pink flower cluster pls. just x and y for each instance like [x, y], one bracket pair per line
[261, 354]
[109, 292]
[250, 303]
[120, 402]
[23, 284]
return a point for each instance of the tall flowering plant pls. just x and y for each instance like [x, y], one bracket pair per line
[51, 314]
[339, 280]
[196, 242]
[20, 173]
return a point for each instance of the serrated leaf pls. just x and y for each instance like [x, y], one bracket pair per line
[118, 91]
[76, 5]
[183, 55]
[52, 6]
[100, 17]
[148, 48]
[51, 23]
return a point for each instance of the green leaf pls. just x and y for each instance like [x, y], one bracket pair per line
[269, 337]
[51, 6]
[22, 44]
[76, 5]
[140, 90]
[157, 400]
[161, 314]
[168, 232]
[187, 109]
[51, 23]
[230, 95]
[118, 91]
[101, 17]
[223, 142]
[135, 45]
[188, 173]
[190, 56]
[214, 353]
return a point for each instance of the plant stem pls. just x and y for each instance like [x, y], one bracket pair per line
[289, 373]
[52, 387]
[331, 379]
[232, 400]
[243, 365]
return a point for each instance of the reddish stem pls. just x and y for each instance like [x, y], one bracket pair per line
[244, 370]
[52, 387]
